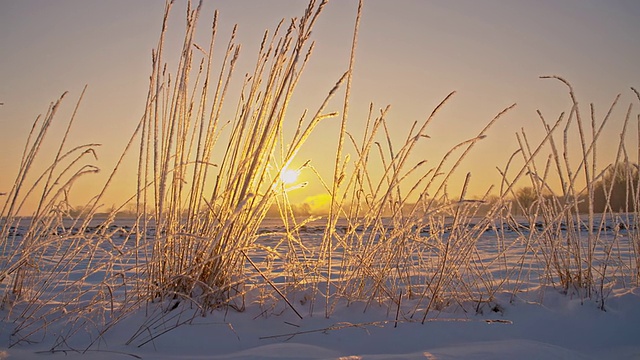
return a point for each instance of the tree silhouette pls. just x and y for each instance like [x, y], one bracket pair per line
[525, 197]
[617, 189]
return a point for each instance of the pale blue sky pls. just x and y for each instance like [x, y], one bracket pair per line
[411, 54]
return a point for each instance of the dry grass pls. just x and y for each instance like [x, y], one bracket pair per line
[400, 237]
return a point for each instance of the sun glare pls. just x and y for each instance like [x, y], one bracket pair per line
[288, 176]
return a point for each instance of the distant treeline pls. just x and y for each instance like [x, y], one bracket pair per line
[615, 190]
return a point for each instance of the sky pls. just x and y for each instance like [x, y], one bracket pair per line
[410, 55]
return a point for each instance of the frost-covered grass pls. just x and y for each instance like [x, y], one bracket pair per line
[398, 251]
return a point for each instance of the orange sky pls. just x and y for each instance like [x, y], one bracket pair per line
[410, 54]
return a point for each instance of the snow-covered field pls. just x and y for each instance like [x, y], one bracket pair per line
[401, 268]
[529, 316]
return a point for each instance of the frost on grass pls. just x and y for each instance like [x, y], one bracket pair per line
[398, 248]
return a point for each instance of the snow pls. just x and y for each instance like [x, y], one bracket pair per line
[525, 331]
[535, 333]
[535, 322]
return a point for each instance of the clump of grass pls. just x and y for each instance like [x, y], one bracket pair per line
[569, 225]
[207, 214]
[384, 251]
[45, 256]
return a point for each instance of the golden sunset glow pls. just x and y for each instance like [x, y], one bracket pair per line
[491, 60]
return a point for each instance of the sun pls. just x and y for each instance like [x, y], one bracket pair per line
[288, 176]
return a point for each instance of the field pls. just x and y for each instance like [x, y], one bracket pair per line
[503, 299]
[210, 258]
